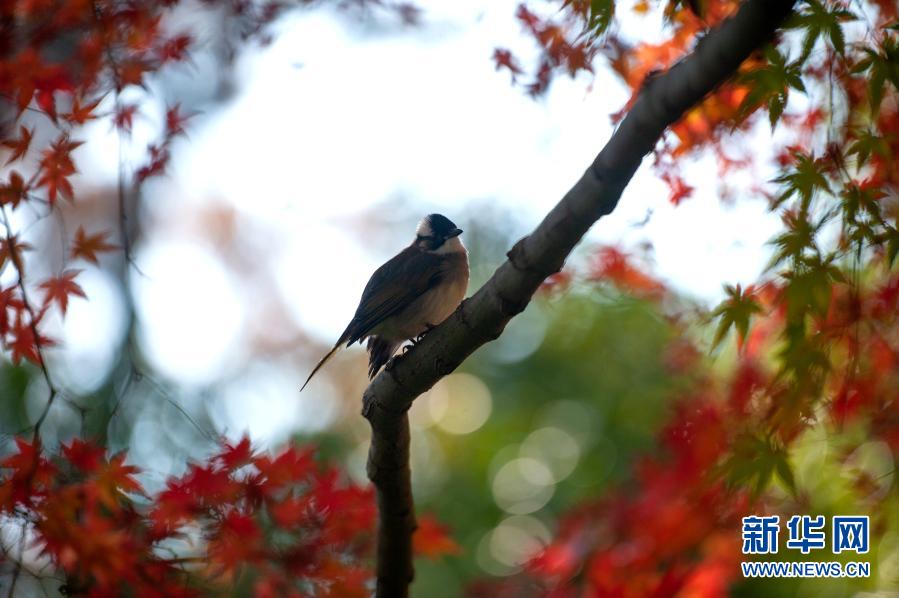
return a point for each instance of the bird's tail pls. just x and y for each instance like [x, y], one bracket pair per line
[322, 362]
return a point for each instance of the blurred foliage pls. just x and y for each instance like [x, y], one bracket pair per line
[597, 374]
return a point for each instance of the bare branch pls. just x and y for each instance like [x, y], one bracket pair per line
[482, 318]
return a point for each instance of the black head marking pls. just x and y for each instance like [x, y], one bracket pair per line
[441, 226]
[434, 230]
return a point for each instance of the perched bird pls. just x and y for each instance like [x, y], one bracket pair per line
[414, 291]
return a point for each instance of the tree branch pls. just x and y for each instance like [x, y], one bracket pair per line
[482, 318]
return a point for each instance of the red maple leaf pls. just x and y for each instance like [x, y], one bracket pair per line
[29, 474]
[175, 48]
[234, 456]
[11, 249]
[237, 540]
[504, 59]
[80, 114]
[114, 478]
[123, 119]
[175, 120]
[60, 287]
[614, 265]
[14, 191]
[19, 146]
[9, 300]
[85, 456]
[432, 539]
[56, 168]
[159, 159]
[289, 467]
[26, 344]
[680, 190]
[88, 246]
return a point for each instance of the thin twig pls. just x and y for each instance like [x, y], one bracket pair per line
[33, 317]
[18, 569]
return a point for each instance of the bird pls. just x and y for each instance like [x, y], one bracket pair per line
[411, 293]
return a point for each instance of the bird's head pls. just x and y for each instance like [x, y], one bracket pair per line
[437, 233]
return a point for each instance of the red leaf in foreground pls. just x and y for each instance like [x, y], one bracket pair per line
[80, 114]
[88, 246]
[290, 467]
[9, 300]
[20, 145]
[11, 249]
[159, 159]
[556, 561]
[26, 344]
[124, 118]
[86, 457]
[175, 120]
[114, 478]
[59, 288]
[14, 191]
[432, 539]
[504, 59]
[237, 455]
[236, 541]
[614, 265]
[680, 190]
[30, 473]
[56, 168]
[174, 49]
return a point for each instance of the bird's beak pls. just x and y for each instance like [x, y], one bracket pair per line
[454, 233]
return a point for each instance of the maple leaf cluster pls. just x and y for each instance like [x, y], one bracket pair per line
[285, 522]
[294, 524]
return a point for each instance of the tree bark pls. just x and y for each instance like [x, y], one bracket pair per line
[661, 102]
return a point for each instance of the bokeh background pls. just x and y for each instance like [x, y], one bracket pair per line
[310, 157]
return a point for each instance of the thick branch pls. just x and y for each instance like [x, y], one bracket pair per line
[482, 318]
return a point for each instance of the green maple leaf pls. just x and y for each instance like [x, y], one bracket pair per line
[770, 85]
[867, 144]
[601, 14]
[819, 22]
[882, 66]
[804, 179]
[755, 461]
[735, 312]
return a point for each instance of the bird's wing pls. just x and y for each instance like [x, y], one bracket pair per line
[393, 286]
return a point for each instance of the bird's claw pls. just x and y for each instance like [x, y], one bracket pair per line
[428, 328]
